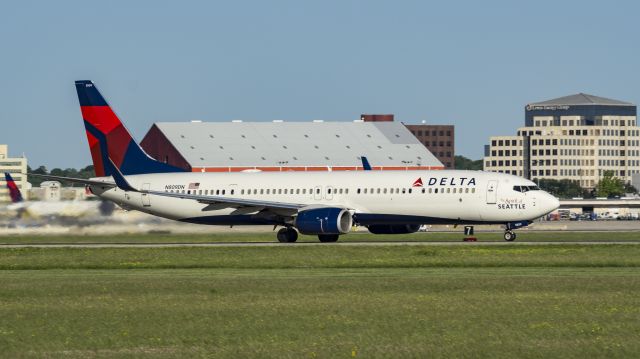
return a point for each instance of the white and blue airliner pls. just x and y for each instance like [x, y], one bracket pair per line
[326, 204]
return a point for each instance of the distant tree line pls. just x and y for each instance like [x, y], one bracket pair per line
[609, 186]
[86, 172]
[463, 163]
[564, 188]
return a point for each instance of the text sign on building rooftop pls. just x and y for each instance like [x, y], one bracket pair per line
[547, 107]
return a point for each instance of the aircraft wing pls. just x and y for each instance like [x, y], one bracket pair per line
[74, 180]
[248, 205]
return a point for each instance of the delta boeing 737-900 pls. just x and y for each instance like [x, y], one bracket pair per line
[326, 204]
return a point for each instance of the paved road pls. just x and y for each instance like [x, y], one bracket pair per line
[276, 244]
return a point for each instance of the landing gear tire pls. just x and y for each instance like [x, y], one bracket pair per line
[509, 236]
[287, 235]
[328, 238]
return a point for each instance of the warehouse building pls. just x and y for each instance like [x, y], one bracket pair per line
[16, 167]
[287, 146]
[576, 137]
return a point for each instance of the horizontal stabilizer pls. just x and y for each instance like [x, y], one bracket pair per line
[74, 180]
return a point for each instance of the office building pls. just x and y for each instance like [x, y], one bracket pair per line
[438, 139]
[576, 137]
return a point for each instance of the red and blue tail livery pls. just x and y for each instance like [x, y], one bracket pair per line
[14, 191]
[109, 139]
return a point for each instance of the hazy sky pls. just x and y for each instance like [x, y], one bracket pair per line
[473, 64]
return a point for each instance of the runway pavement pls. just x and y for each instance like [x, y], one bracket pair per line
[277, 244]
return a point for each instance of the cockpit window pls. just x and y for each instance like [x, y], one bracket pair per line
[525, 188]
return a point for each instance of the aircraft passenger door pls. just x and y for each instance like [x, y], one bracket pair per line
[330, 191]
[492, 192]
[146, 199]
[317, 193]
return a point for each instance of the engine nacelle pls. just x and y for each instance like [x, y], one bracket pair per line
[324, 221]
[393, 228]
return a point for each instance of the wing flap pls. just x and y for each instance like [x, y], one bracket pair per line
[227, 202]
[246, 210]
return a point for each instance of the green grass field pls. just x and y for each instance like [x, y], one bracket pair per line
[321, 302]
[353, 237]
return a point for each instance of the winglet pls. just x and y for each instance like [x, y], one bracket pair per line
[365, 163]
[14, 191]
[118, 177]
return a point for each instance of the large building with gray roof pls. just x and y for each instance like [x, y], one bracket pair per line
[589, 108]
[287, 146]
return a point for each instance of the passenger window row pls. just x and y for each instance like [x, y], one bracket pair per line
[262, 191]
[411, 190]
[331, 190]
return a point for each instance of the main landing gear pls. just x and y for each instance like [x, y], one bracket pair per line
[287, 235]
[290, 235]
[328, 238]
[509, 235]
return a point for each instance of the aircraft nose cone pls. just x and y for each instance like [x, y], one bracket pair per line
[551, 203]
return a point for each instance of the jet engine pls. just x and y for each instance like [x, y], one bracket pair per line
[324, 221]
[393, 228]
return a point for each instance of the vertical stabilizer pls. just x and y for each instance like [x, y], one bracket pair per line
[109, 139]
[14, 191]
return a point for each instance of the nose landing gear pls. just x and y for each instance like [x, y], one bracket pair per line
[509, 235]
